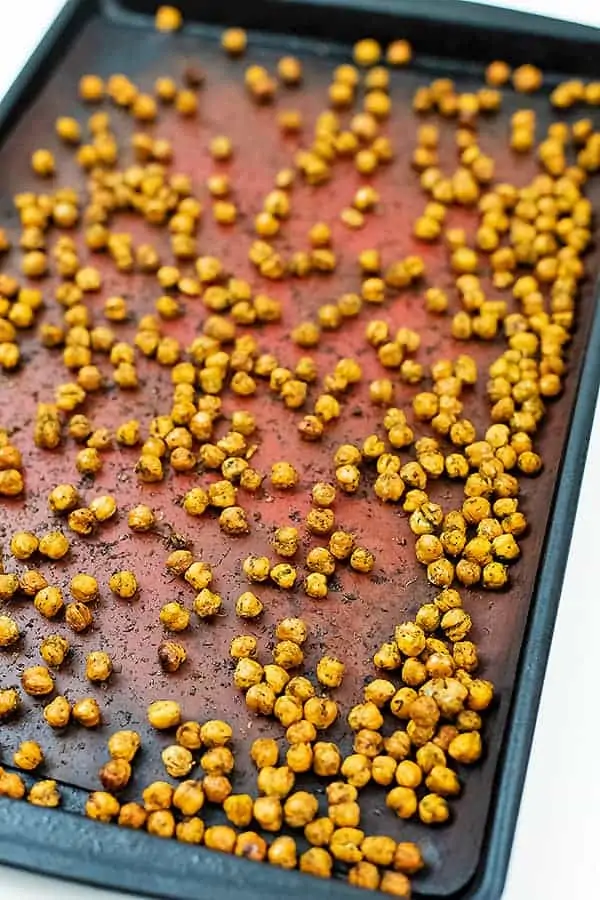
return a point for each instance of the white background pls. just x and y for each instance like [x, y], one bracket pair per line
[555, 854]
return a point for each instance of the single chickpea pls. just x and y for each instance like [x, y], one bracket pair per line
[234, 41]
[189, 735]
[248, 606]
[284, 575]
[132, 815]
[268, 813]
[433, 810]
[315, 586]
[178, 761]
[87, 712]
[362, 560]
[330, 671]
[91, 88]
[9, 631]
[161, 823]
[98, 666]
[42, 163]
[115, 775]
[164, 714]
[527, 78]
[54, 545]
[366, 52]
[260, 698]
[168, 18]
[124, 585]
[402, 801]
[23, 544]
[37, 681]
[174, 617]
[282, 852]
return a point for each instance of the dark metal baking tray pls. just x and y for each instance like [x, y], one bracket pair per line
[468, 858]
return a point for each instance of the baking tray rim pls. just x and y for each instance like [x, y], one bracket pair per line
[68, 845]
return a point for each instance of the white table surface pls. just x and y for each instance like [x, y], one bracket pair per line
[555, 853]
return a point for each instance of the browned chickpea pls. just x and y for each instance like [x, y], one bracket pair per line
[115, 775]
[161, 823]
[132, 815]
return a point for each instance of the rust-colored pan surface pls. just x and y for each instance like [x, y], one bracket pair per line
[361, 610]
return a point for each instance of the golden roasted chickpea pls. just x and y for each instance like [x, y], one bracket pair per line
[286, 541]
[124, 585]
[158, 795]
[247, 672]
[161, 823]
[317, 862]
[433, 810]
[268, 813]
[362, 560]
[54, 545]
[168, 18]
[402, 801]
[284, 575]
[189, 735]
[282, 852]
[87, 712]
[58, 712]
[398, 53]
[102, 806]
[98, 666]
[115, 775]
[366, 52]
[23, 544]
[37, 681]
[9, 631]
[164, 714]
[91, 88]
[248, 606]
[132, 815]
[234, 41]
[199, 575]
[43, 163]
[178, 761]
[9, 584]
[174, 616]
[330, 671]
[526, 79]
[103, 507]
[260, 698]
[124, 745]
[83, 588]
